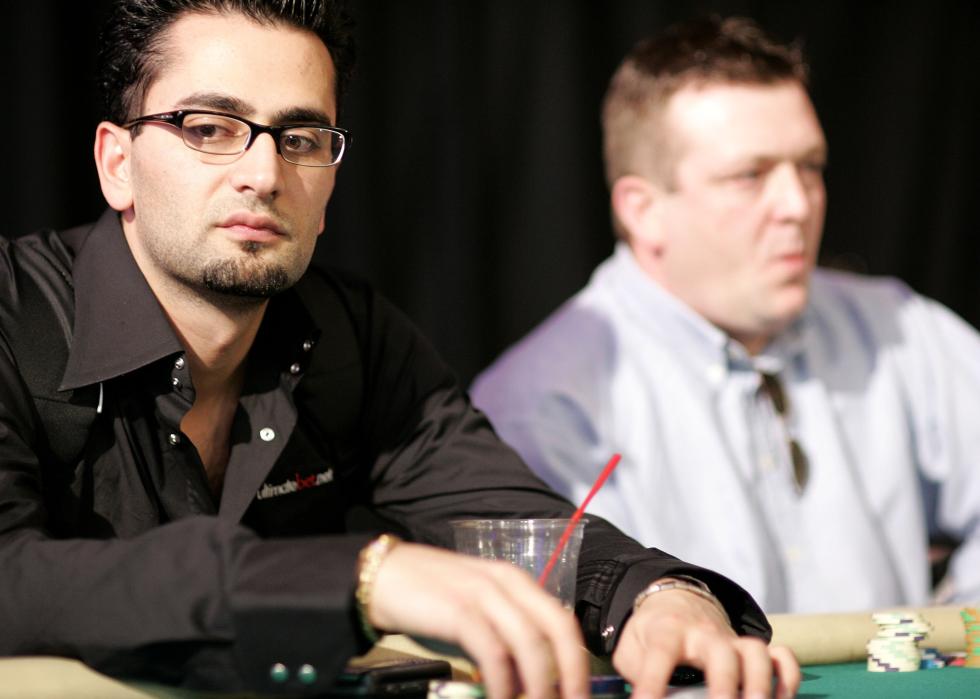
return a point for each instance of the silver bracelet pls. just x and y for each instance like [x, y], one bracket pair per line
[697, 588]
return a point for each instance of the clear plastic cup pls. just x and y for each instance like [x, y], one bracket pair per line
[528, 544]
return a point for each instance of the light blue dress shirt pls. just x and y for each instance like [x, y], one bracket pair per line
[884, 393]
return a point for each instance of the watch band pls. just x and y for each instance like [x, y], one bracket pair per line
[695, 587]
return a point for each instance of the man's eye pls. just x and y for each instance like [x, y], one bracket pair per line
[815, 167]
[204, 131]
[747, 177]
[302, 141]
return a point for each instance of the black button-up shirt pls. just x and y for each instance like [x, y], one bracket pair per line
[348, 424]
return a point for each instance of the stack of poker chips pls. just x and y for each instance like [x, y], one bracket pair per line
[971, 624]
[896, 647]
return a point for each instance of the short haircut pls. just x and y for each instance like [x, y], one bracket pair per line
[696, 52]
[132, 42]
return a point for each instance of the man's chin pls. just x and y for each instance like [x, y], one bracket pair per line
[789, 306]
[229, 279]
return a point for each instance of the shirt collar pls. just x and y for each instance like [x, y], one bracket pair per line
[119, 325]
[705, 345]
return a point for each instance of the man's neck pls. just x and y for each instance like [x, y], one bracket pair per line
[217, 341]
[753, 344]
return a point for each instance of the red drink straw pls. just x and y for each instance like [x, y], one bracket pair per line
[576, 517]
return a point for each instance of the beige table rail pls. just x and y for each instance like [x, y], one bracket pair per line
[819, 639]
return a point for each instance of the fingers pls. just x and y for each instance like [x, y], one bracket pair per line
[685, 630]
[483, 644]
[653, 669]
[520, 637]
[722, 668]
[544, 636]
[674, 628]
[732, 667]
[787, 671]
[752, 655]
[573, 670]
[749, 664]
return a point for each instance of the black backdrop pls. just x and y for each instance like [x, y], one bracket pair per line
[473, 194]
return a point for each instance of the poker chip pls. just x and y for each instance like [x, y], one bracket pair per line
[957, 659]
[454, 689]
[932, 659]
[896, 646]
[971, 625]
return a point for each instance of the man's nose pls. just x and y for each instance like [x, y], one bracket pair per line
[259, 169]
[793, 192]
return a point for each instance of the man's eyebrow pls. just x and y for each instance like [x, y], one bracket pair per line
[220, 102]
[761, 159]
[302, 115]
[217, 101]
[821, 152]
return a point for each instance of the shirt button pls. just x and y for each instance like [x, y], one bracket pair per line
[715, 373]
[174, 439]
[307, 674]
[179, 364]
[267, 434]
[176, 382]
[295, 368]
[279, 673]
[307, 345]
[793, 554]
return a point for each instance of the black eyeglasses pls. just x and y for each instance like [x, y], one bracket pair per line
[773, 387]
[216, 133]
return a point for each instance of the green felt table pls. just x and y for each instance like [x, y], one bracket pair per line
[49, 678]
[854, 680]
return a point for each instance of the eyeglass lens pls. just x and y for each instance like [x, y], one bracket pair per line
[773, 387]
[221, 135]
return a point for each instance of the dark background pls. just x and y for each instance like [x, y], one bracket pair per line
[473, 194]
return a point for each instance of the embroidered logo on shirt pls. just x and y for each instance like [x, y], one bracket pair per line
[293, 485]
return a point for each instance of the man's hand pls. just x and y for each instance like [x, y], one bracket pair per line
[674, 627]
[521, 638]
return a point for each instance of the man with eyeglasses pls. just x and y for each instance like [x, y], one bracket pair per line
[802, 431]
[192, 488]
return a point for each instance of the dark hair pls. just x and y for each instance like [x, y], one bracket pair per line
[701, 51]
[132, 38]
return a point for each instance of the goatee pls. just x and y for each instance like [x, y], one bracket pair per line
[239, 278]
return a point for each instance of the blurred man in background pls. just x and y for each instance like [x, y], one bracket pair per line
[802, 431]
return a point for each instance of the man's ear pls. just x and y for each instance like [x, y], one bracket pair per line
[636, 204]
[112, 160]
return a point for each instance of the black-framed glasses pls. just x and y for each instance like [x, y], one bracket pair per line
[220, 134]
[773, 387]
